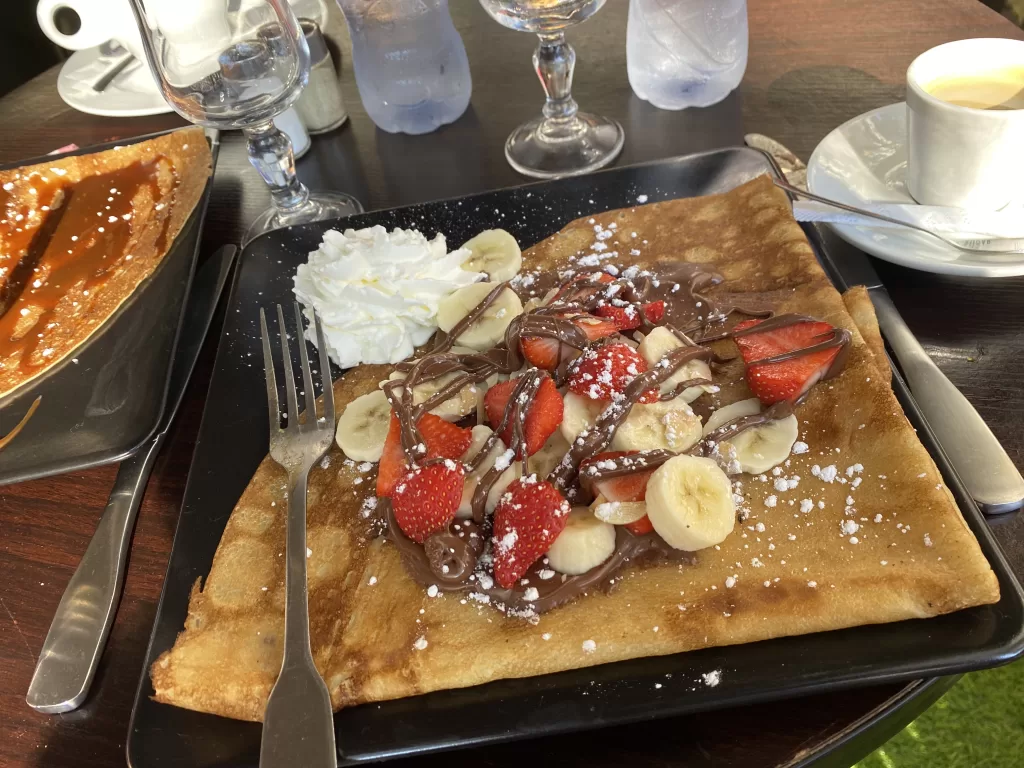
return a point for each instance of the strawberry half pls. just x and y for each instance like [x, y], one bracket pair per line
[443, 440]
[545, 353]
[528, 519]
[654, 311]
[425, 500]
[630, 316]
[542, 418]
[631, 487]
[606, 371]
[786, 379]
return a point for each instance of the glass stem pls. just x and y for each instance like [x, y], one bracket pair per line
[554, 61]
[270, 152]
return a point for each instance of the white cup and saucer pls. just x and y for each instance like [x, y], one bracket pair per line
[134, 91]
[957, 141]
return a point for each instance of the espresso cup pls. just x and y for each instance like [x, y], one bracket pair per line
[100, 21]
[964, 156]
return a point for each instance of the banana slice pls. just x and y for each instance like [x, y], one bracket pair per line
[669, 424]
[658, 343]
[578, 413]
[489, 329]
[584, 543]
[550, 454]
[618, 512]
[495, 252]
[363, 427]
[514, 472]
[760, 448]
[732, 411]
[689, 502]
[478, 436]
[462, 403]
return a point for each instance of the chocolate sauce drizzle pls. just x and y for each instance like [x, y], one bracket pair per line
[455, 559]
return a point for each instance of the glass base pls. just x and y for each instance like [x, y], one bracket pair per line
[548, 148]
[319, 207]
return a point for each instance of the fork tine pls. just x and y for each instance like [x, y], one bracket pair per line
[325, 372]
[307, 375]
[289, 381]
[268, 364]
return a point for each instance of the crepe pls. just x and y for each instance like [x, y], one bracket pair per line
[77, 238]
[377, 635]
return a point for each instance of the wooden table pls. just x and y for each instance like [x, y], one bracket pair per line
[813, 65]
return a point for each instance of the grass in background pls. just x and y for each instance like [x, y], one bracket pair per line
[979, 723]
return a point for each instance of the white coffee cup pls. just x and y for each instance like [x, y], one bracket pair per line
[963, 156]
[101, 20]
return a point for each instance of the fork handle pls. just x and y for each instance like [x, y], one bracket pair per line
[296, 606]
[298, 725]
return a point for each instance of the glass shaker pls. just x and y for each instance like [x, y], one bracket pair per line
[320, 105]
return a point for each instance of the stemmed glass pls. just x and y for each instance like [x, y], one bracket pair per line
[238, 65]
[563, 141]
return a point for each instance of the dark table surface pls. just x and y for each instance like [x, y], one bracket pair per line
[813, 65]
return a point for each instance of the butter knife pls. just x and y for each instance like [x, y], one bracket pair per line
[78, 634]
[986, 470]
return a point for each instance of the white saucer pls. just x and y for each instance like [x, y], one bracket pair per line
[865, 160]
[133, 93]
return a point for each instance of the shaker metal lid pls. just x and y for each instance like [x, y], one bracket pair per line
[315, 40]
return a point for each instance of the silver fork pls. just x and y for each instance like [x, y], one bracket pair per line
[968, 243]
[298, 726]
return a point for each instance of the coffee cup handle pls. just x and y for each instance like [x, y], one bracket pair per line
[88, 35]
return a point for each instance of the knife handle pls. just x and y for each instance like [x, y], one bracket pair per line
[986, 470]
[78, 634]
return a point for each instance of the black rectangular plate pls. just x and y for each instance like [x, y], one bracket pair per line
[105, 399]
[225, 460]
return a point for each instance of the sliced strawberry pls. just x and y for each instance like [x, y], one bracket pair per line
[606, 371]
[542, 352]
[629, 317]
[392, 460]
[595, 327]
[542, 418]
[546, 353]
[425, 500]
[443, 440]
[641, 526]
[786, 379]
[654, 311]
[578, 282]
[528, 519]
[626, 317]
[631, 487]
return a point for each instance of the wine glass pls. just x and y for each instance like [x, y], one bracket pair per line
[238, 65]
[563, 141]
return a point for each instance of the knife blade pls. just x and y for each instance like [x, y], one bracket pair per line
[987, 472]
[78, 634]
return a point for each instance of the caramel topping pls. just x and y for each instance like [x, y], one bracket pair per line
[93, 238]
[28, 215]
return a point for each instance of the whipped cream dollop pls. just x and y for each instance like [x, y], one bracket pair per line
[377, 292]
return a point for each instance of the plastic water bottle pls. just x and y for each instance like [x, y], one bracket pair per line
[409, 62]
[686, 53]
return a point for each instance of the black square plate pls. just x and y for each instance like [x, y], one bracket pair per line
[623, 692]
[106, 399]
